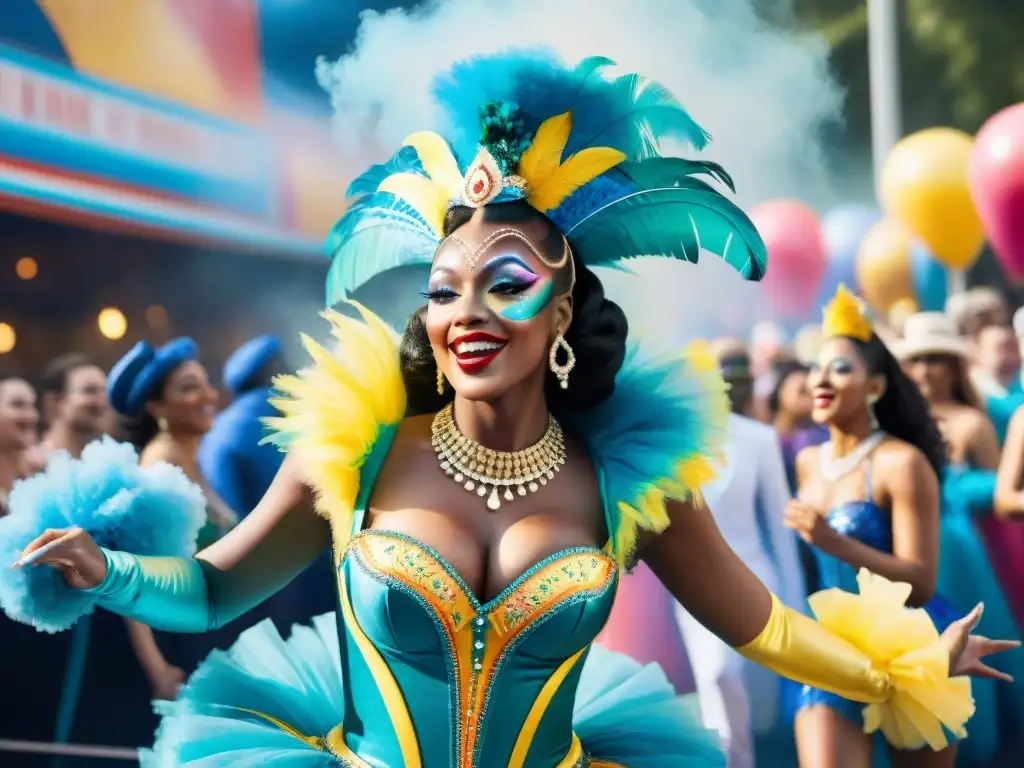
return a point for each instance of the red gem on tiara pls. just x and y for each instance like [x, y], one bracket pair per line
[483, 180]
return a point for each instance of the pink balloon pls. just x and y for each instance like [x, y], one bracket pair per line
[643, 625]
[796, 255]
[997, 185]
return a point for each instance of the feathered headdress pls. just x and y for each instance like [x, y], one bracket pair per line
[577, 146]
[846, 315]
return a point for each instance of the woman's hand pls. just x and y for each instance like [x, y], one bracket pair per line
[73, 552]
[167, 682]
[810, 525]
[966, 651]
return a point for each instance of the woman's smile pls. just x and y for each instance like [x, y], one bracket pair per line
[475, 351]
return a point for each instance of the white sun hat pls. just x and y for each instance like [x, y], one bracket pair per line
[929, 333]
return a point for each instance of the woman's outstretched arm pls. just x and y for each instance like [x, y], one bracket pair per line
[694, 562]
[269, 548]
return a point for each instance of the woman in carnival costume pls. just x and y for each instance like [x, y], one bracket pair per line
[483, 482]
[868, 498]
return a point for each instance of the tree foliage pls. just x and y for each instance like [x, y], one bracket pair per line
[961, 61]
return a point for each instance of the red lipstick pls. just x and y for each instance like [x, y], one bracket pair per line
[475, 351]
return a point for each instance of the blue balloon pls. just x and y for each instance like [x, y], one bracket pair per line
[843, 228]
[929, 278]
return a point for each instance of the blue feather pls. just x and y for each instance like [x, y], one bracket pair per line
[536, 81]
[154, 510]
[405, 160]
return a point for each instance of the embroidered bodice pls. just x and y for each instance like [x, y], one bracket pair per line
[435, 672]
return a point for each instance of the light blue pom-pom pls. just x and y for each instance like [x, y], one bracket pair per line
[154, 510]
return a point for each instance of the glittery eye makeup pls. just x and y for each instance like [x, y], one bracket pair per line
[515, 291]
[842, 366]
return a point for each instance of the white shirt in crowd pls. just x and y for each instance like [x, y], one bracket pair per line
[737, 697]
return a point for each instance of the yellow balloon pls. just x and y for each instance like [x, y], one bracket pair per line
[883, 265]
[924, 185]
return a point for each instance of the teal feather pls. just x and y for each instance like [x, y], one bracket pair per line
[670, 171]
[632, 114]
[672, 222]
[378, 233]
[663, 411]
[405, 160]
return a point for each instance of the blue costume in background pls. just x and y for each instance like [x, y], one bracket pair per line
[965, 577]
[231, 457]
[1001, 408]
[240, 467]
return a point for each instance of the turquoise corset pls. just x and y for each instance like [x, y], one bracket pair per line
[431, 670]
[437, 679]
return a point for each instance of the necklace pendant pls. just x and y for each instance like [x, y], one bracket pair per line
[493, 502]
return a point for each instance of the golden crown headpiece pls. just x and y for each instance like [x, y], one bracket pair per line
[846, 315]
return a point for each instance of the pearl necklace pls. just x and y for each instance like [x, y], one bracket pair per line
[832, 468]
[479, 469]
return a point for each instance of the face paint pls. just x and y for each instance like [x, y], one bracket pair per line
[515, 291]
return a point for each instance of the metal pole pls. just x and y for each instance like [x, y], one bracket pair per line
[884, 74]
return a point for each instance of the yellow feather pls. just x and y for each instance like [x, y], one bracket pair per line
[333, 411]
[421, 193]
[542, 157]
[581, 168]
[437, 160]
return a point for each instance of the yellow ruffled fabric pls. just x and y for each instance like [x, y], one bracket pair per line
[902, 642]
[334, 411]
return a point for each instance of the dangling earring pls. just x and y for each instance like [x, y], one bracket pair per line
[872, 399]
[161, 424]
[440, 381]
[561, 371]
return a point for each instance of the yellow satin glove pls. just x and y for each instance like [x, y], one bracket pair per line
[873, 649]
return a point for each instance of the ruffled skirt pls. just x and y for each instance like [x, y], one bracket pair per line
[271, 701]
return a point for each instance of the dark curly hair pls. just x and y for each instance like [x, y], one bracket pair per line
[902, 410]
[597, 333]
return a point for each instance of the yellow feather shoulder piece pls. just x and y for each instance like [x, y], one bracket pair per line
[905, 643]
[334, 411]
[438, 161]
[581, 168]
[428, 198]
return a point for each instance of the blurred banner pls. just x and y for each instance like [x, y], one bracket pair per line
[149, 118]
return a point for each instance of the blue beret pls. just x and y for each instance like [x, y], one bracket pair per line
[138, 374]
[249, 360]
